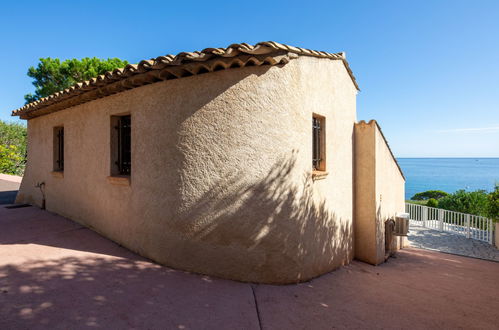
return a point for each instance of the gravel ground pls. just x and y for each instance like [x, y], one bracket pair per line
[435, 240]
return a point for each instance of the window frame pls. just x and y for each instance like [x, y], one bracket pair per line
[121, 145]
[318, 143]
[58, 149]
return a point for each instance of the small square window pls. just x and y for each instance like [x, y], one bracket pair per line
[58, 149]
[318, 143]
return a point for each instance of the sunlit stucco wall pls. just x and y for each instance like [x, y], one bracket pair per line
[379, 186]
[221, 171]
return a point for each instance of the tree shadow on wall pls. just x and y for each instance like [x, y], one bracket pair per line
[284, 230]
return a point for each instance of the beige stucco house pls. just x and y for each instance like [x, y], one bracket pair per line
[245, 162]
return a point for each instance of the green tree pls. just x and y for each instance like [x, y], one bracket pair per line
[436, 194]
[472, 202]
[432, 202]
[494, 203]
[51, 75]
[12, 148]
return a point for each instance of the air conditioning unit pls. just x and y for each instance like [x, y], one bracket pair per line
[402, 224]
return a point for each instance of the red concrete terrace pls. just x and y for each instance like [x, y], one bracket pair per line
[56, 274]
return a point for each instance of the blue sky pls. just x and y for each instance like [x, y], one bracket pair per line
[428, 70]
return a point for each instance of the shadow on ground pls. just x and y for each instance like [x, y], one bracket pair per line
[56, 274]
[97, 292]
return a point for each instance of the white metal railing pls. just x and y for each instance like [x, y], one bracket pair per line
[468, 225]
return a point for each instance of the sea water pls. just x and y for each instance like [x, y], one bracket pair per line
[449, 174]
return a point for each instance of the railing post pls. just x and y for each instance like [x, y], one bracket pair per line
[468, 226]
[441, 220]
[425, 216]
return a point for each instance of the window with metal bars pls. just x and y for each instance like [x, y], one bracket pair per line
[58, 148]
[123, 145]
[318, 159]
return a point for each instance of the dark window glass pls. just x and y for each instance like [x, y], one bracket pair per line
[124, 145]
[59, 148]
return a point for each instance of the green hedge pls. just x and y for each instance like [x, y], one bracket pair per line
[478, 202]
[472, 202]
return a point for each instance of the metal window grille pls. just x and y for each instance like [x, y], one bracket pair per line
[316, 143]
[60, 149]
[124, 145]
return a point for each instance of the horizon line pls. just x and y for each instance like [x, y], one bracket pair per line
[474, 129]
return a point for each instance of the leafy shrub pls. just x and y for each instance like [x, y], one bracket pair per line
[494, 203]
[432, 202]
[12, 148]
[11, 162]
[472, 202]
[435, 194]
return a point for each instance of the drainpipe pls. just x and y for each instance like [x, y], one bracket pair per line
[41, 186]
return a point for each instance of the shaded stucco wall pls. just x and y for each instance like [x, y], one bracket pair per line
[221, 171]
[390, 190]
[365, 192]
[379, 186]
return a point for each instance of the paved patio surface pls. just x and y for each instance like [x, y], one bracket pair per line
[431, 239]
[55, 274]
[8, 191]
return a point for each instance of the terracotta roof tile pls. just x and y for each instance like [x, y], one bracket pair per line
[172, 67]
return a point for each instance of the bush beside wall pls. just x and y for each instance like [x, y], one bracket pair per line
[12, 148]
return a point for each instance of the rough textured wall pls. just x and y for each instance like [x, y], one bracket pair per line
[390, 190]
[365, 191]
[379, 188]
[221, 167]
